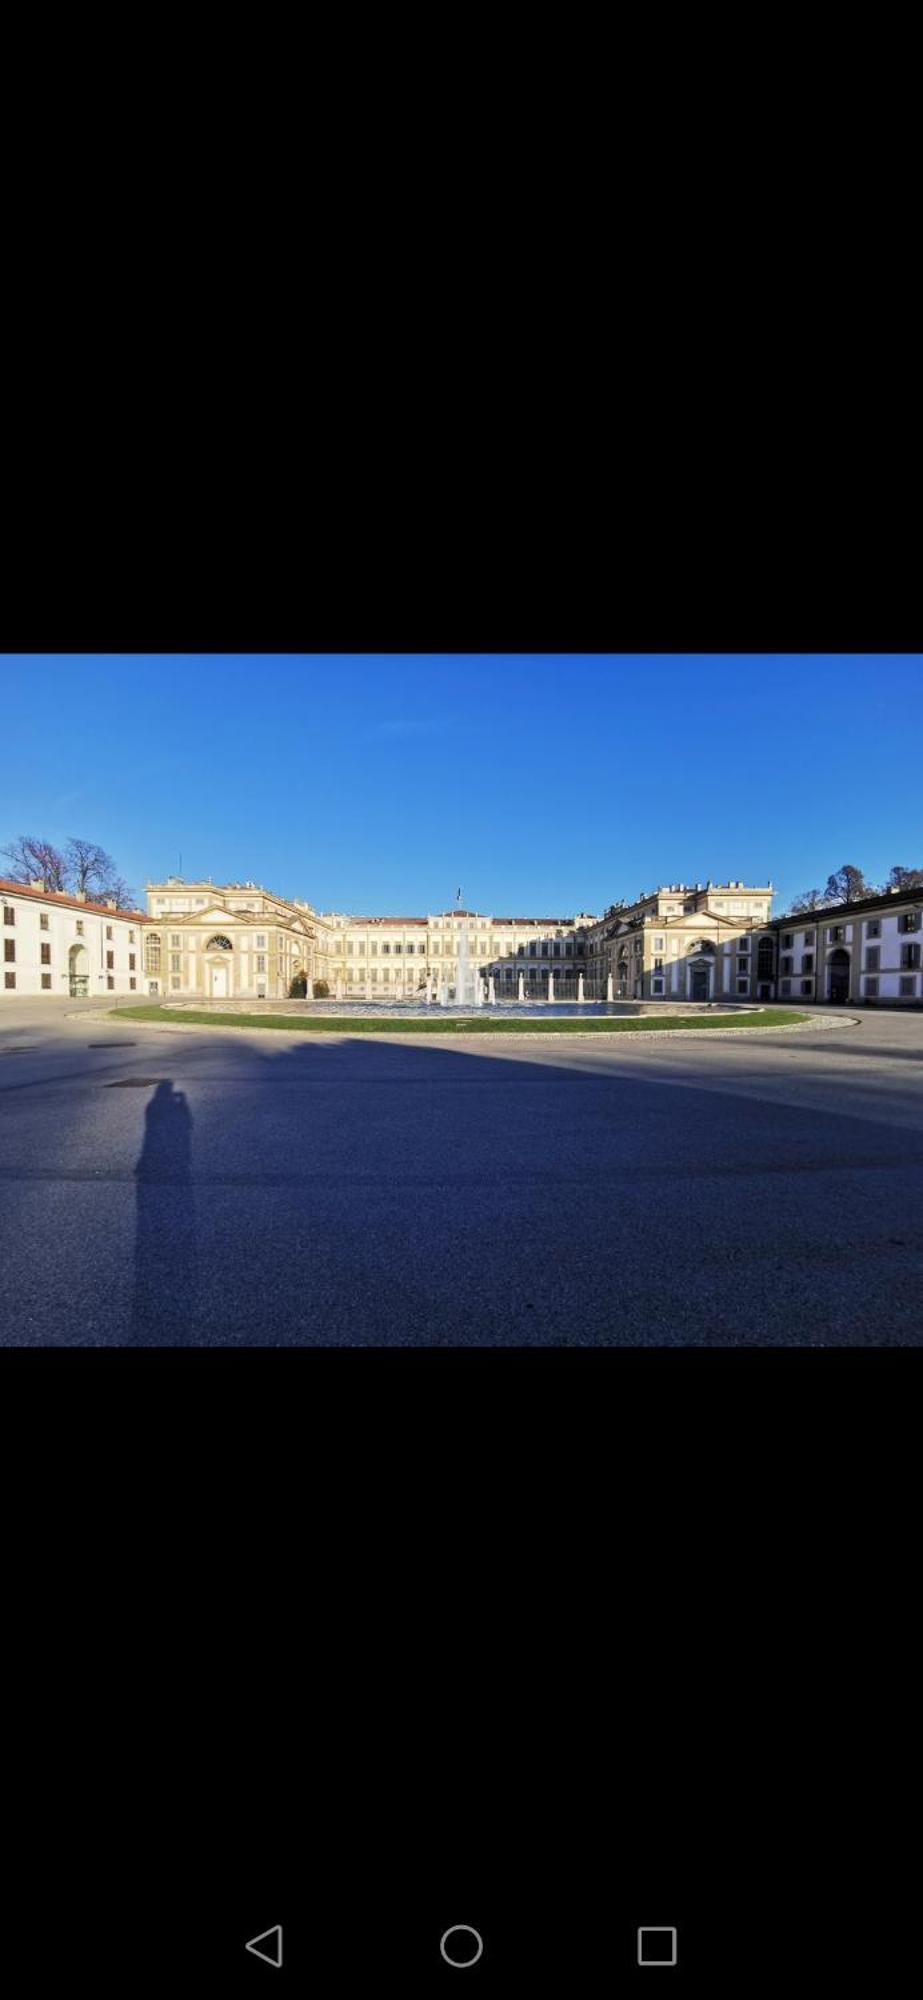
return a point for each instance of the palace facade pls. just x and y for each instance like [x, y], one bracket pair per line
[686, 942]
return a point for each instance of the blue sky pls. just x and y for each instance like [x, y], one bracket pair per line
[537, 784]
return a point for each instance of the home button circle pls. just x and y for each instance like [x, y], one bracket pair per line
[461, 1945]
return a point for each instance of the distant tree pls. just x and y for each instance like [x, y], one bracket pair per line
[30, 858]
[298, 987]
[904, 878]
[321, 989]
[118, 892]
[848, 885]
[89, 867]
[813, 899]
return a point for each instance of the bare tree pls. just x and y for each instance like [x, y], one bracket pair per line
[30, 858]
[118, 892]
[904, 878]
[88, 867]
[848, 885]
[813, 899]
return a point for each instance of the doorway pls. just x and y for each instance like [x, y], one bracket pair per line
[219, 982]
[700, 982]
[838, 967]
[78, 972]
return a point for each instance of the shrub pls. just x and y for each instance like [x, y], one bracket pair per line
[321, 989]
[299, 987]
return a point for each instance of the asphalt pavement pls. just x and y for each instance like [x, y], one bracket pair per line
[162, 1186]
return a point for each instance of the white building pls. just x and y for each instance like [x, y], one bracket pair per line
[61, 943]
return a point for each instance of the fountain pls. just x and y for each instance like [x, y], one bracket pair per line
[551, 985]
[309, 989]
[338, 990]
[491, 996]
[478, 990]
[609, 993]
[444, 994]
[522, 987]
[461, 984]
[579, 988]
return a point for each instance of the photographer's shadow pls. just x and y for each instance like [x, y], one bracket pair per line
[166, 1249]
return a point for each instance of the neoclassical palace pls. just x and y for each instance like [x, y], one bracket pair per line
[702, 941]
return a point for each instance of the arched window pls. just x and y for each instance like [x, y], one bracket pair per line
[218, 944]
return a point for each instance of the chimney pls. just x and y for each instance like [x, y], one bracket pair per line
[38, 882]
[80, 895]
[111, 904]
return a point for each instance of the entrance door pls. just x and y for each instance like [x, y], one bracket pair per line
[700, 982]
[839, 976]
[219, 982]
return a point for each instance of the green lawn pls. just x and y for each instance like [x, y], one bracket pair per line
[365, 1024]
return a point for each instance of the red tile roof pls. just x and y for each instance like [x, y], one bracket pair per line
[65, 901]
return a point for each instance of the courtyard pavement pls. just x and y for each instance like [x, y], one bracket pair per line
[230, 1187]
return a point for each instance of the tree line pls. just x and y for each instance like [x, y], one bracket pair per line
[849, 885]
[82, 868]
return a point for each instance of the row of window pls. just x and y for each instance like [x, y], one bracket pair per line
[906, 987]
[908, 920]
[9, 954]
[10, 982]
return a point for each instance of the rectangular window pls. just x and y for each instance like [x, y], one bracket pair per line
[260, 962]
[658, 944]
[132, 984]
[361, 947]
[871, 989]
[907, 987]
[175, 983]
[397, 947]
[131, 937]
[785, 986]
[807, 961]
[909, 920]
[806, 986]
[785, 965]
[175, 961]
[9, 914]
[656, 985]
[742, 965]
[373, 949]
[788, 940]
[9, 979]
[385, 949]
[873, 928]
[9, 950]
[110, 982]
[108, 930]
[131, 961]
[43, 922]
[910, 954]
[110, 960]
[872, 957]
[349, 946]
[79, 926]
[261, 943]
[837, 934]
[46, 954]
[174, 941]
[46, 982]
[658, 965]
[557, 951]
[743, 985]
[808, 939]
